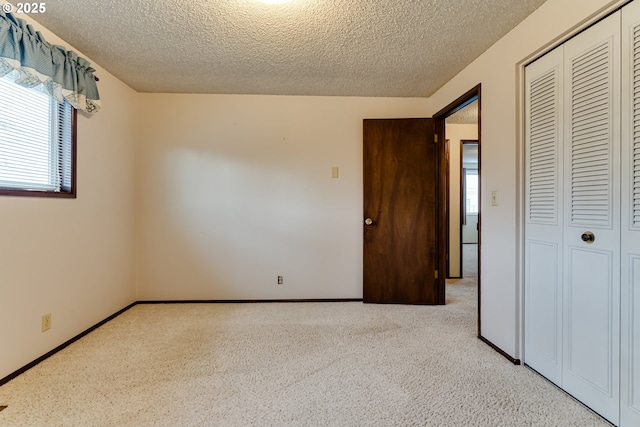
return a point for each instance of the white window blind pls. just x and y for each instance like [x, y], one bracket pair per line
[35, 139]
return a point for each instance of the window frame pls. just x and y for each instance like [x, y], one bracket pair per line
[72, 194]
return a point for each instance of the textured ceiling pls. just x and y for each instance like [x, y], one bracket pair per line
[406, 48]
[464, 116]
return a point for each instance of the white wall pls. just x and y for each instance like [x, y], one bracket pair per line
[73, 258]
[235, 190]
[455, 133]
[496, 71]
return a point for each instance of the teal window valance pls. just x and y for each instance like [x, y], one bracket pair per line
[64, 74]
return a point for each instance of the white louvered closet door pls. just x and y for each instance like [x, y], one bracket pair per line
[630, 239]
[543, 222]
[591, 302]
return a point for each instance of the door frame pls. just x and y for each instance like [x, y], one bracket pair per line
[461, 102]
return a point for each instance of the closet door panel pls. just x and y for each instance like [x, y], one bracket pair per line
[543, 346]
[590, 290]
[630, 348]
[591, 300]
[543, 224]
[630, 237]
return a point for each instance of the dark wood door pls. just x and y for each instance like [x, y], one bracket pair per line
[401, 191]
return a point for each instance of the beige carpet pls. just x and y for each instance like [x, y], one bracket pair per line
[303, 364]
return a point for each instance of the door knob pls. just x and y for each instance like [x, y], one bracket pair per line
[588, 237]
[368, 221]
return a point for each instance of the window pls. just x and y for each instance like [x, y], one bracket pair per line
[37, 142]
[471, 191]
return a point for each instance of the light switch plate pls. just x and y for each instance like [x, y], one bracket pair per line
[46, 322]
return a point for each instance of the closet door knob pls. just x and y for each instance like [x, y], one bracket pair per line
[588, 237]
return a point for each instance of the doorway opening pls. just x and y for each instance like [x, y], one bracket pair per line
[458, 125]
[469, 207]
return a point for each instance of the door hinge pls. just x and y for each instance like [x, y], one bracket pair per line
[435, 138]
[436, 274]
